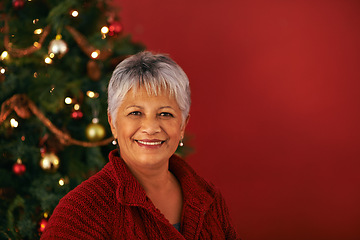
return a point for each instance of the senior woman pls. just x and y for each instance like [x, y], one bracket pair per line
[145, 191]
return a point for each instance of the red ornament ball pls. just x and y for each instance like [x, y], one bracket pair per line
[19, 168]
[77, 115]
[115, 28]
[17, 4]
[42, 224]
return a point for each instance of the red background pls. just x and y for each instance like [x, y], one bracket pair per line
[276, 108]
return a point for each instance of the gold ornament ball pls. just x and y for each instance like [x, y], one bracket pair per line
[49, 162]
[95, 132]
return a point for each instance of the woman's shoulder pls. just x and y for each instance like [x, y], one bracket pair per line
[100, 186]
[192, 183]
[89, 208]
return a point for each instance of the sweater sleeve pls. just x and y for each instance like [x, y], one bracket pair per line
[223, 214]
[84, 213]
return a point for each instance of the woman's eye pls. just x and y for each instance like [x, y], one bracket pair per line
[166, 114]
[135, 113]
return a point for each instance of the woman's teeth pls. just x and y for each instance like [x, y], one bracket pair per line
[149, 143]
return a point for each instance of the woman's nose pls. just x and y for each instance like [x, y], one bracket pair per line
[150, 126]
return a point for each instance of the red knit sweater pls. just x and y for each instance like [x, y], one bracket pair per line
[113, 205]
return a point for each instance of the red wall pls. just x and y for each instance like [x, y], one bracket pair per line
[276, 106]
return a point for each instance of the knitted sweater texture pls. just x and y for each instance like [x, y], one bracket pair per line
[113, 205]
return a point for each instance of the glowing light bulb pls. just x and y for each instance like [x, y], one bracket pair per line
[90, 94]
[95, 54]
[14, 123]
[68, 100]
[74, 13]
[42, 227]
[104, 30]
[76, 107]
[2, 70]
[61, 182]
[48, 60]
[4, 55]
[38, 31]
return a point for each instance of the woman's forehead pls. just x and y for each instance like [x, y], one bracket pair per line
[149, 91]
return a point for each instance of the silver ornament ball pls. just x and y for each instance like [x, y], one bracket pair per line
[58, 47]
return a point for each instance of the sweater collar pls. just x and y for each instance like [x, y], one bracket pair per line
[129, 190]
[196, 191]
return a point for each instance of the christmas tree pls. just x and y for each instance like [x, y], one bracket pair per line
[56, 59]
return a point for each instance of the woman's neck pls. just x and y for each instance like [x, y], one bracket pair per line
[153, 179]
[162, 187]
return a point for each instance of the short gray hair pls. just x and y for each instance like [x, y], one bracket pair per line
[153, 71]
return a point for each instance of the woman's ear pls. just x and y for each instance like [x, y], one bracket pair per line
[112, 126]
[187, 119]
[184, 125]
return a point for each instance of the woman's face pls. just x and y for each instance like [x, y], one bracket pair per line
[148, 128]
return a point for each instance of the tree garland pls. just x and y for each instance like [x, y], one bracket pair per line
[84, 45]
[22, 105]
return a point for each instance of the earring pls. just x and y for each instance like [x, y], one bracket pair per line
[181, 144]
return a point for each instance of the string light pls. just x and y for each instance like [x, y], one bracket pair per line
[4, 55]
[61, 182]
[37, 45]
[38, 31]
[2, 70]
[92, 94]
[14, 123]
[42, 225]
[48, 60]
[68, 100]
[95, 54]
[74, 13]
[52, 55]
[104, 30]
[76, 107]
[35, 21]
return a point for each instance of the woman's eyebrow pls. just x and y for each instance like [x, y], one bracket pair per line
[166, 107]
[135, 106]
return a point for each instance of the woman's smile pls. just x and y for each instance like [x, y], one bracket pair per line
[153, 143]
